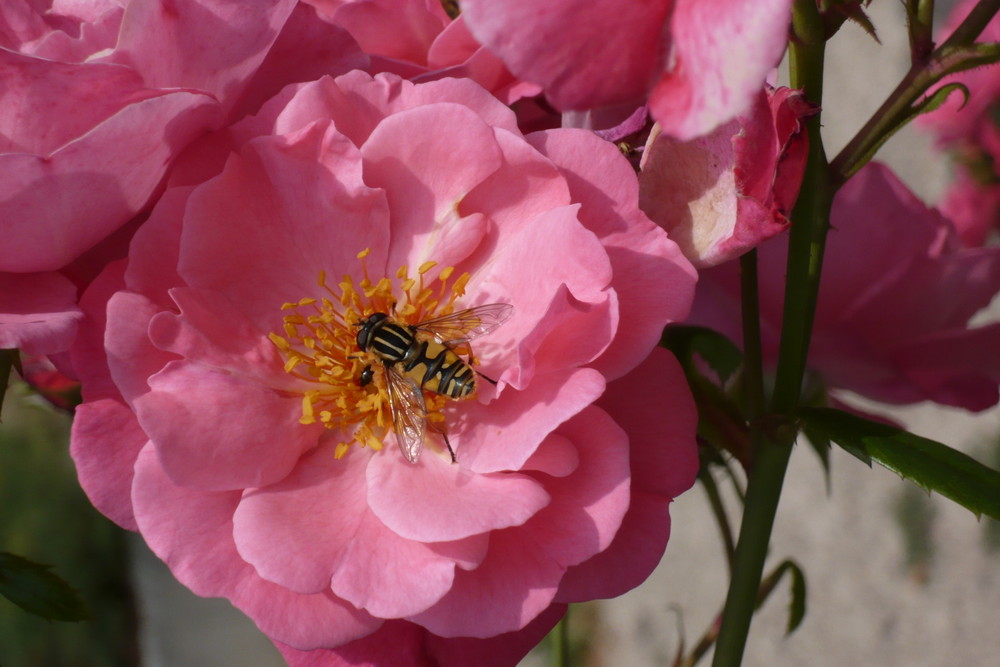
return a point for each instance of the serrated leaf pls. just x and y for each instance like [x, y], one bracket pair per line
[721, 354]
[932, 465]
[797, 603]
[32, 587]
[821, 445]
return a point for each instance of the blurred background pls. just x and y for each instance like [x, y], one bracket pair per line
[894, 576]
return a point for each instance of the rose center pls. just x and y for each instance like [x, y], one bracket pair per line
[346, 388]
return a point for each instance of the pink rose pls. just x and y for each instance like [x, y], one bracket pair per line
[698, 62]
[98, 99]
[722, 194]
[895, 300]
[220, 427]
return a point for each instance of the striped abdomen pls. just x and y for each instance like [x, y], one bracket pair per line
[432, 365]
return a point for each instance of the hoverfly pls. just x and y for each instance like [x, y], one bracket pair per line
[421, 357]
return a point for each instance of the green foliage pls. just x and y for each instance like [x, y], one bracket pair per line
[721, 354]
[35, 589]
[932, 465]
[45, 517]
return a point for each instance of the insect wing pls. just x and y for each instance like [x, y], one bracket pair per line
[465, 325]
[409, 413]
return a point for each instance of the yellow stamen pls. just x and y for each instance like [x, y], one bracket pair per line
[319, 344]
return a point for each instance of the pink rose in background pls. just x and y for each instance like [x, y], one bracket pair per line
[959, 120]
[418, 40]
[970, 131]
[972, 203]
[699, 63]
[895, 300]
[721, 194]
[100, 97]
[206, 426]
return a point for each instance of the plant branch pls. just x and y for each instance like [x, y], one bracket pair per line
[810, 220]
[955, 54]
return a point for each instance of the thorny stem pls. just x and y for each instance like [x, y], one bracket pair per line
[810, 220]
[897, 108]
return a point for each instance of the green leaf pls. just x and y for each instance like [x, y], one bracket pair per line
[35, 589]
[8, 359]
[797, 604]
[721, 354]
[932, 465]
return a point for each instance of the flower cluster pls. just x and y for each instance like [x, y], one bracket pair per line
[365, 305]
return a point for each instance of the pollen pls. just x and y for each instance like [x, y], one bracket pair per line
[318, 341]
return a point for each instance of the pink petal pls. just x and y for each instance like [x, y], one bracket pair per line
[405, 643]
[131, 357]
[958, 367]
[722, 53]
[521, 265]
[515, 583]
[585, 53]
[642, 257]
[212, 331]
[296, 532]
[505, 433]
[358, 102]
[76, 191]
[304, 209]
[436, 501]
[411, 155]
[89, 360]
[655, 407]
[523, 567]
[210, 45]
[193, 533]
[314, 529]
[38, 312]
[307, 48]
[105, 442]
[154, 251]
[259, 445]
[400, 30]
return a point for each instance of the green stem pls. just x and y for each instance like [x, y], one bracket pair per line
[898, 106]
[810, 220]
[560, 642]
[753, 366]
[973, 25]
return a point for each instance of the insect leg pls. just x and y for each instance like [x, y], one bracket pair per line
[444, 435]
[486, 377]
